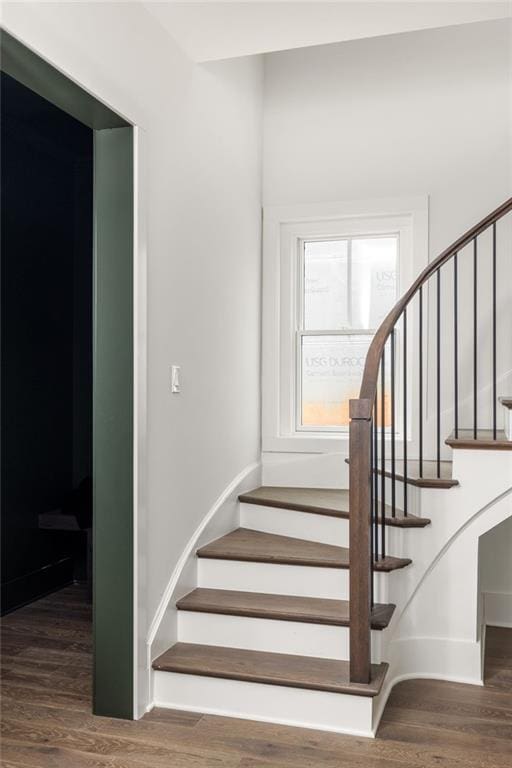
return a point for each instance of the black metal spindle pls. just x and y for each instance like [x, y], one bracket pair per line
[420, 383]
[393, 460]
[405, 411]
[371, 509]
[383, 454]
[494, 393]
[456, 345]
[375, 511]
[475, 340]
[438, 388]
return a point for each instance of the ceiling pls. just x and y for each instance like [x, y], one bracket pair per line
[211, 30]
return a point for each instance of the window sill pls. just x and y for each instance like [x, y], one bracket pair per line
[315, 442]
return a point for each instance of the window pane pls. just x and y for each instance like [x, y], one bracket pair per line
[325, 285]
[332, 368]
[374, 279]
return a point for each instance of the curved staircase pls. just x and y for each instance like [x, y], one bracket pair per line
[272, 609]
[310, 610]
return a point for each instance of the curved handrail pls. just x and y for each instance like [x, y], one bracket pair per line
[371, 369]
[363, 449]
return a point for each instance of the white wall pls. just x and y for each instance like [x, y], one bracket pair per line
[421, 113]
[200, 170]
[495, 555]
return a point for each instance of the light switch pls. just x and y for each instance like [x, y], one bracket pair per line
[175, 378]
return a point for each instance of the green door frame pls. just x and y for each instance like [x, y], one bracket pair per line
[113, 373]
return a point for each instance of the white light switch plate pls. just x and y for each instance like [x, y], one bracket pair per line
[175, 379]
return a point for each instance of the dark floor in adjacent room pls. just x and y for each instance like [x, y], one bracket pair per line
[46, 720]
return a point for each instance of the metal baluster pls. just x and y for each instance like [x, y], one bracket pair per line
[420, 383]
[375, 511]
[494, 393]
[393, 461]
[383, 454]
[372, 470]
[475, 341]
[405, 412]
[438, 415]
[456, 345]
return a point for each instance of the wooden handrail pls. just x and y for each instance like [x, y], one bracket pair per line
[371, 369]
[360, 449]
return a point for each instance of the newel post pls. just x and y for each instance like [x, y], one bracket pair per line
[360, 532]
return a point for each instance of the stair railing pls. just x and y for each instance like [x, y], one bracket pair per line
[377, 416]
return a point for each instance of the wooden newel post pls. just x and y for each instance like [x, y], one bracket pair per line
[360, 533]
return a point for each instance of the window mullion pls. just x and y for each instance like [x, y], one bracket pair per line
[340, 332]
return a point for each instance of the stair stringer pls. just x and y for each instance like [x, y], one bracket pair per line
[436, 629]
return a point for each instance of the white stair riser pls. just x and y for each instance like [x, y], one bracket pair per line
[338, 712]
[320, 528]
[269, 635]
[299, 525]
[414, 506]
[272, 578]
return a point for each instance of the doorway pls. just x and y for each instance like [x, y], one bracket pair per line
[46, 342]
[67, 409]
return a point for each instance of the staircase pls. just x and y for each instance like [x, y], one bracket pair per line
[320, 600]
[269, 622]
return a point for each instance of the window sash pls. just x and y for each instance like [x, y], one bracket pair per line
[299, 427]
[302, 332]
[349, 239]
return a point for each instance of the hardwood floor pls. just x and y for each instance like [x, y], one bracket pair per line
[46, 720]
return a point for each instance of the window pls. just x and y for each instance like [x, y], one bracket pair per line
[347, 286]
[331, 273]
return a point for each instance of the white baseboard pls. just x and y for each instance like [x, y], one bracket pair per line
[436, 658]
[429, 658]
[498, 609]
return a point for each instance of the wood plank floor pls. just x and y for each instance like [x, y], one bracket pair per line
[46, 720]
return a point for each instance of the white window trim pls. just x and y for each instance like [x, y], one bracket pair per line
[283, 228]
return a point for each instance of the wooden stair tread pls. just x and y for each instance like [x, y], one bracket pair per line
[271, 668]
[506, 402]
[428, 478]
[484, 440]
[404, 521]
[255, 546]
[331, 502]
[321, 501]
[309, 610]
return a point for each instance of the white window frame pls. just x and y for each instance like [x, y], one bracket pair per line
[285, 228]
